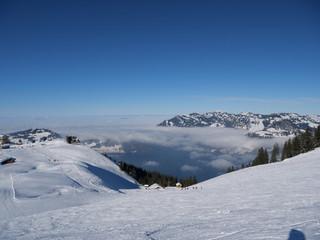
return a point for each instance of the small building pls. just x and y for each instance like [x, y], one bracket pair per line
[4, 146]
[8, 160]
[178, 185]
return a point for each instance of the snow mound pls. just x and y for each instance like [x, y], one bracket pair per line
[155, 186]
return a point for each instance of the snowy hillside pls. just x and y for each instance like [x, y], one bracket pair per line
[32, 135]
[45, 176]
[258, 125]
[60, 191]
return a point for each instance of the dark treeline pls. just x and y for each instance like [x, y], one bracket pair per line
[144, 177]
[302, 142]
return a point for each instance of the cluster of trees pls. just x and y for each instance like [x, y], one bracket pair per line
[72, 139]
[263, 156]
[301, 143]
[149, 177]
[188, 181]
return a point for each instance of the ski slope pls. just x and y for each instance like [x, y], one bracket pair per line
[53, 175]
[61, 191]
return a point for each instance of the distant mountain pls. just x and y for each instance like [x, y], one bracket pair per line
[33, 135]
[258, 125]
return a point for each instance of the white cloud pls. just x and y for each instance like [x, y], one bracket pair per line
[220, 164]
[313, 100]
[249, 99]
[188, 168]
[151, 164]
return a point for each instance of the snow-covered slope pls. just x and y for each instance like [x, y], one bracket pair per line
[32, 135]
[51, 174]
[258, 125]
[273, 201]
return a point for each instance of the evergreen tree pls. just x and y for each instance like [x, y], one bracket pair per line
[230, 169]
[289, 150]
[296, 145]
[261, 158]
[265, 157]
[307, 141]
[284, 151]
[316, 138]
[301, 143]
[257, 160]
[275, 153]
[194, 180]
[72, 139]
[149, 177]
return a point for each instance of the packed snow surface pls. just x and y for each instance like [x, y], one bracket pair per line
[60, 191]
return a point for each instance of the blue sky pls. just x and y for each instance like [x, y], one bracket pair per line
[67, 58]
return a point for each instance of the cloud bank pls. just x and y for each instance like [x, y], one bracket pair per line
[205, 152]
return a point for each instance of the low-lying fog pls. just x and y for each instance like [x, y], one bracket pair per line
[201, 152]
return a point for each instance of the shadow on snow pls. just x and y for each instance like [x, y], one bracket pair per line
[111, 180]
[296, 235]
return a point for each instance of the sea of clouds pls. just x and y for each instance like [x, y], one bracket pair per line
[203, 152]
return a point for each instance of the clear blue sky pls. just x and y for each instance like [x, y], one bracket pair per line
[62, 57]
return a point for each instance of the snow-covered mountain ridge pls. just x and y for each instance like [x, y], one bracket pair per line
[32, 135]
[258, 125]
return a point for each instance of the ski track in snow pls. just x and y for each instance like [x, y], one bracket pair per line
[264, 202]
[71, 171]
[7, 197]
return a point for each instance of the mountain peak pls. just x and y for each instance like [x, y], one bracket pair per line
[258, 125]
